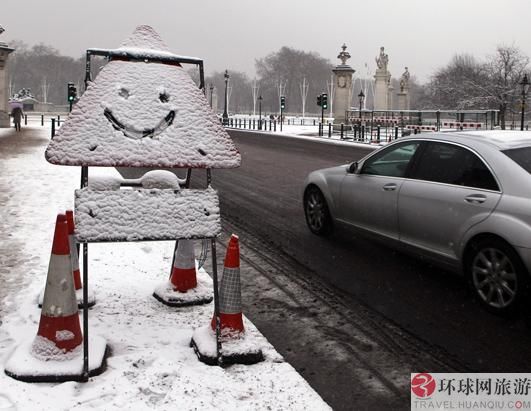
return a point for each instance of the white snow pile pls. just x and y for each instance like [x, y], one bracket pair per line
[160, 179]
[152, 179]
[138, 114]
[45, 350]
[153, 214]
[104, 183]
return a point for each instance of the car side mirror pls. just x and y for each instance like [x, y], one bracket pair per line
[352, 168]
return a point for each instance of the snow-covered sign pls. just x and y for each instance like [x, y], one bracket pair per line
[120, 215]
[143, 114]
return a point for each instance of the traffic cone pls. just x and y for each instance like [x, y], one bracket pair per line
[238, 346]
[73, 249]
[75, 267]
[59, 317]
[91, 300]
[183, 287]
[230, 293]
[59, 337]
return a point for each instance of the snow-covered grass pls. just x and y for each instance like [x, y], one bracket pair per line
[152, 365]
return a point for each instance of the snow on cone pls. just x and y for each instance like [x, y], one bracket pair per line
[75, 266]
[184, 288]
[59, 339]
[238, 346]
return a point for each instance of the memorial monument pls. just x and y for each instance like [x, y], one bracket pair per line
[382, 82]
[4, 106]
[403, 94]
[343, 86]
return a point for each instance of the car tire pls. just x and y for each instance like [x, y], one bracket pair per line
[316, 211]
[497, 277]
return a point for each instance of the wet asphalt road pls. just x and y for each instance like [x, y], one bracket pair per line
[424, 303]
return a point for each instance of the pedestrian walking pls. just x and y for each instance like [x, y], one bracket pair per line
[17, 115]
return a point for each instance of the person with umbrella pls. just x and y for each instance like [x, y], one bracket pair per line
[17, 115]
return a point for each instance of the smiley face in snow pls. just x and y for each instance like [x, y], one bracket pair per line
[132, 130]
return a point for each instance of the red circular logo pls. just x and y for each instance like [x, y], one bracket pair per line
[423, 385]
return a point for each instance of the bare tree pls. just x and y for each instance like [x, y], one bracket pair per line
[291, 66]
[505, 69]
[467, 84]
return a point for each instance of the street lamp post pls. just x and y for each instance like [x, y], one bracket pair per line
[225, 114]
[525, 87]
[260, 112]
[361, 96]
[211, 92]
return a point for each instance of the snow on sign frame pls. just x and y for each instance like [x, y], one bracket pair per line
[143, 110]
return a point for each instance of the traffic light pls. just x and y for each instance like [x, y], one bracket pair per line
[282, 102]
[72, 92]
[324, 101]
[319, 100]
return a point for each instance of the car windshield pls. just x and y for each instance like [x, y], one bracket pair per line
[522, 156]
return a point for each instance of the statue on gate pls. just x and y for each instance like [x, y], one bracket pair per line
[404, 80]
[382, 59]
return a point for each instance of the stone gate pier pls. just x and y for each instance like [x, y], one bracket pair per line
[4, 97]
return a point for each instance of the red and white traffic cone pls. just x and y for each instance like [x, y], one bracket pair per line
[75, 266]
[230, 293]
[59, 322]
[73, 250]
[238, 346]
[59, 337]
[91, 300]
[183, 288]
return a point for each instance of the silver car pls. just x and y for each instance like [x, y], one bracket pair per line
[461, 199]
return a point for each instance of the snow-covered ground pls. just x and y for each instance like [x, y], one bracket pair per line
[152, 365]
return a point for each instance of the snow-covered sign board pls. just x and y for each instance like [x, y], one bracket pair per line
[120, 215]
[143, 114]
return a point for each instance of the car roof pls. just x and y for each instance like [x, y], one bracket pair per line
[500, 139]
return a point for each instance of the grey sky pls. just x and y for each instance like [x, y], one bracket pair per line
[420, 34]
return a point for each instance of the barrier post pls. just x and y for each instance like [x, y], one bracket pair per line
[329, 130]
[342, 131]
[42, 119]
[53, 127]
[25, 119]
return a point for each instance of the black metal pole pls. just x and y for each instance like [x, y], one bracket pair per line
[216, 304]
[225, 113]
[86, 371]
[53, 127]
[523, 110]
[259, 113]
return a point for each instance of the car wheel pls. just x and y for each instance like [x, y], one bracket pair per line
[497, 276]
[316, 212]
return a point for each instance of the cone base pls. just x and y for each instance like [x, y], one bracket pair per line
[79, 298]
[202, 294]
[23, 366]
[235, 351]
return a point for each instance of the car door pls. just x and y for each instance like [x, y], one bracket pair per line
[368, 198]
[449, 190]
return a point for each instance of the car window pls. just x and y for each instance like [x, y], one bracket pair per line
[451, 164]
[392, 161]
[522, 156]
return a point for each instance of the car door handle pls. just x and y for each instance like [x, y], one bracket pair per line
[389, 187]
[476, 198]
